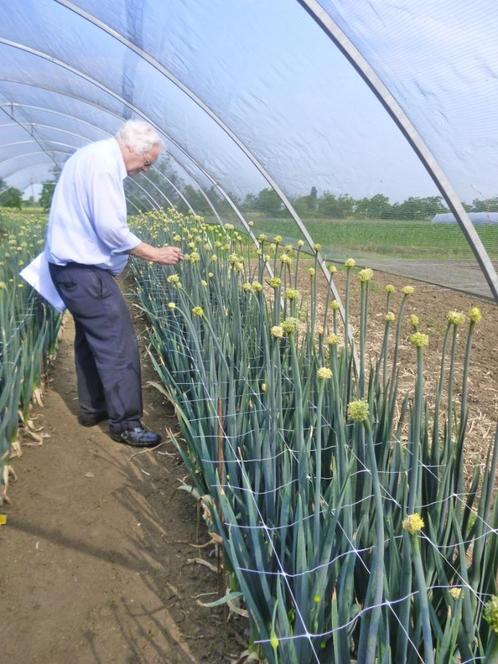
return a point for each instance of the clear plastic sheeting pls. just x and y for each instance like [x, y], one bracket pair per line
[254, 98]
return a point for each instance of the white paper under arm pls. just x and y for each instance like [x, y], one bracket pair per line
[38, 276]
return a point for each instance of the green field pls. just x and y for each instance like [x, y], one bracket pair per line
[382, 237]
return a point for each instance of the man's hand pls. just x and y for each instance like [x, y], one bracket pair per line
[168, 255]
[161, 255]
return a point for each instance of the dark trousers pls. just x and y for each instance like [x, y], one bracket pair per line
[105, 347]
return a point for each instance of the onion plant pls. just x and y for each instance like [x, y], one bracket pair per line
[346, 522]
[28, 329]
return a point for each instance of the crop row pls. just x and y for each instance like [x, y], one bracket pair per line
[347, 525]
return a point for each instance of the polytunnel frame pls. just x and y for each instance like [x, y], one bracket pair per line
[46, 153]
[409, 131]
[79, 120]
[109, 112]
[115, 95]
[231, 134]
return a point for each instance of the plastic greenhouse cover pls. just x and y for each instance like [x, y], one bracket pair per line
[295, 102]
[439, 58]
[248, 93]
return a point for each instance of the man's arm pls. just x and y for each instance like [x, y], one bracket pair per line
[161, 255]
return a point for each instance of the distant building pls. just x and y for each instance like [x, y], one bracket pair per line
[475, 217]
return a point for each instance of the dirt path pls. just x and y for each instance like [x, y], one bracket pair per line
[95, 556]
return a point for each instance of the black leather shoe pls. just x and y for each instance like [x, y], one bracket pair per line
[91, 420]
[138, 437]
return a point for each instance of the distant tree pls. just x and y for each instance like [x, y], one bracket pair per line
[46, 195]
[269, 201]
[337, 207]
[313, 199]
[11, 197]
[418, 208]
[485, 205]
[250, 203]
[302, 205]
[376, 207]
[196, 199]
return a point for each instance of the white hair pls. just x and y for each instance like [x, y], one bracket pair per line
[139, 136]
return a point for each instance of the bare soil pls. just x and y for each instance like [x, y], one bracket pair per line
[97, 557]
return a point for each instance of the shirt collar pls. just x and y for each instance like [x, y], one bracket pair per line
[119, 158]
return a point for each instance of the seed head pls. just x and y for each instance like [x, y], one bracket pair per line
[173, 279]
[389, 288]
[289, 325]
[407, 290]
[335, 305]
[419, 340]
[277, 331]
[229, 227]
[317, 246]
[365, 275]
[171, 305]
[291, 294]
[413, 523]
[350, 263]
[333, 339]
[277, 239]
[300, 243]
[324, 373]
[474, 314]
[198, 311]
[286, 259]
[257, 287]
[358, 410]
[456, 592]
[414, 320]
[247, 286]
[491, 613]
[455, 317]
[312, 271]
[332, 269]
[274, 640]
[390, 317]
[262, 237]
[274, 282]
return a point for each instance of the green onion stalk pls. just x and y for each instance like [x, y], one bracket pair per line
[315, 532]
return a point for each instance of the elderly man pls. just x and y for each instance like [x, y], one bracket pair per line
[88, 243]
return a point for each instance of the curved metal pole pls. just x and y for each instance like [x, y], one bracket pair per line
[30, 181]
[72, 147]
[154, 203]
[101, 86]
[103, 109]
[151, 60]
[35, 124]
[374, 82]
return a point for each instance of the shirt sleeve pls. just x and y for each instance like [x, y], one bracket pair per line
[108, 212]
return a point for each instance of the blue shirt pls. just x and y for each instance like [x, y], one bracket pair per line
[87, 220]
